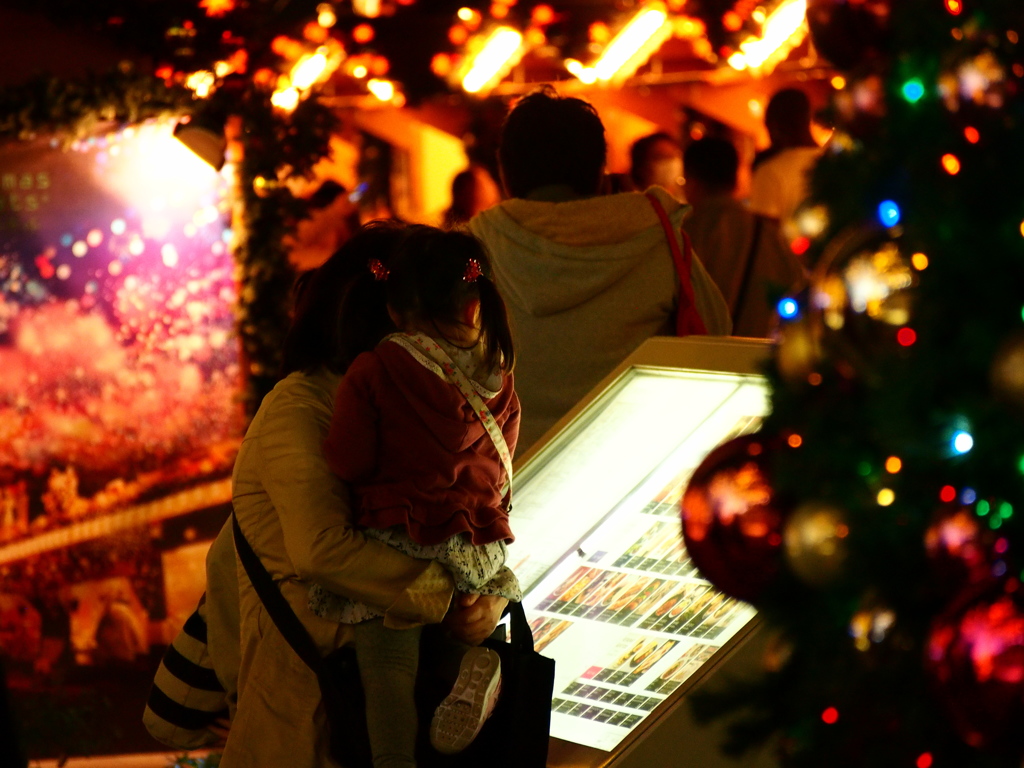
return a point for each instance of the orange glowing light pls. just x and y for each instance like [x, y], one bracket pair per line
[954, 7]
[971, 134]
[362, 33]
[215, 8]
[543, 15]
[893, 465]
[732, 21]
[920, 262]
[499, 10]
[814, 379]
[379, 66]
[838, 82]
[535, 37]
[599, 32]
[795, 441]
[314, 32]
[951, 164]
[458, 35]
[441, 64]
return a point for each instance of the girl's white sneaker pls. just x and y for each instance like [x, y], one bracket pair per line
[459, 718]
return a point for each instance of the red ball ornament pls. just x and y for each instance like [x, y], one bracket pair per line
[732, 523]
[975, 656]
[846, 33]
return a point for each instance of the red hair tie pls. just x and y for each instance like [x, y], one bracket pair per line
[378, 270]
[472, 272]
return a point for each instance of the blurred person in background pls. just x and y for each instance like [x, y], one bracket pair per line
[473, 191]
[744, 252]
[586, 277]
[656, 160]
[781, 172]
[332, 219]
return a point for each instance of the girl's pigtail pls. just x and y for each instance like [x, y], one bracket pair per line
[495, 326]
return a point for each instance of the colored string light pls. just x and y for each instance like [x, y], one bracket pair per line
[947, 493]
[1006, 510]
[788, 308]
[893, 465]
[800, 245]
[983, 508]
[838, 82]
[968, 496]
[830, 716]
[795, 441]
[1020, 464]
[962, 442]
[906, 336]
[814, 379]
[951, 164]
[885, 497]
[955, 7]
[913, 90]
[971, 134]
[889, 213]
[924, 760]
[920, 262]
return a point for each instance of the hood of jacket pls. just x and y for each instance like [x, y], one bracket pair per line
[440, 404]
[552, 256]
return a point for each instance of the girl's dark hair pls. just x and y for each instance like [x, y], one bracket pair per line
[340, 309]
[428, 283]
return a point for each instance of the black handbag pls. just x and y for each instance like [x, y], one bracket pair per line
[515, 735]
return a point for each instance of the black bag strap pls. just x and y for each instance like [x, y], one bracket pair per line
[521, 636]
[281, 613]
[748, 268]
[288, 624]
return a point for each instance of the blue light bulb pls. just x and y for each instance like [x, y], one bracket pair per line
[913, 90]
[962, 442]
[889, 213]
[788, 308]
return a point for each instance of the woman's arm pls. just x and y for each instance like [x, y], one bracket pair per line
[313, 507]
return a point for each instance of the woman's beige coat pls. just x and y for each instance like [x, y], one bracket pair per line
[295, 515]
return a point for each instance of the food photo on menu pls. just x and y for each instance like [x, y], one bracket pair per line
[674, 675]
[546, 631]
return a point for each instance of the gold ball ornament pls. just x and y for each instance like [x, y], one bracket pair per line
[862, 291]
[863, 278]
[815, 542]
[799, 351]
[1007, 371]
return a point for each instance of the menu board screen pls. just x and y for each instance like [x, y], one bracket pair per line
[621, 607]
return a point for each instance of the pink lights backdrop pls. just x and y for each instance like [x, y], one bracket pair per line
[119, 409]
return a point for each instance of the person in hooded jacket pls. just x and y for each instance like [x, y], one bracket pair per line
[586, 277]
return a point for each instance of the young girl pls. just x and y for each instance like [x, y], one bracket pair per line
[423, 430]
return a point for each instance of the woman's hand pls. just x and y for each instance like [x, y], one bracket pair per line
[472, 618]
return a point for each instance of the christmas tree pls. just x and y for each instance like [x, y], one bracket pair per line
[883, 542]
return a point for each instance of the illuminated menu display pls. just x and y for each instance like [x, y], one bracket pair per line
[611, 593]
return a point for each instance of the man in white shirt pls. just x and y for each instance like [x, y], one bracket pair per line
[780, 180]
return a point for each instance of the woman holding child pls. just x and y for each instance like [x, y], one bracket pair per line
[299, 519]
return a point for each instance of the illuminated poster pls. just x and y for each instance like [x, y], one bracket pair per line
[610, 591]
[119, 422]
